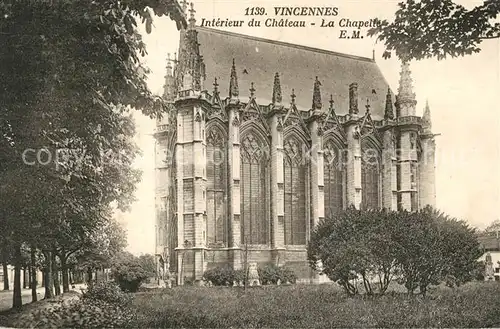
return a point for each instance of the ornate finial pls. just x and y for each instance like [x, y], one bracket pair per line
[233, 82]
[316, 102]
[367, 105]
[405, 89]
[192, 20]
[426, 118]
[353, 98]
[331, 102]
[293, 96]
[169, 65]
[389, 111]
[277, 90]
[252, 91]
[216, 86]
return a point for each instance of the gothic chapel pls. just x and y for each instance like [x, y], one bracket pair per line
[250, 156]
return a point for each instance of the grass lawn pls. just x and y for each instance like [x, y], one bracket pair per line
[316, 306]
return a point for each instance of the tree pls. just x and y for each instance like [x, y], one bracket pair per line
[148, 263]
[71, 70]
[429, 28]
[128, 271]
[432, 247]
[373, 247]
[355, 245]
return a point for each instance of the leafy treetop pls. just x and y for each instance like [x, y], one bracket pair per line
[429, 28]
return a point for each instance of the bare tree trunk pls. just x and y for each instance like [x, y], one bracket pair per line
[49, 293]
[5, 276]
[29, 277]
[65, 274]
[25, 278]
[33, 282]
[89, 274]
[17, 300]
[55, 274]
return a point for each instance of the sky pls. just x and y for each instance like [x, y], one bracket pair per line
[462, 94]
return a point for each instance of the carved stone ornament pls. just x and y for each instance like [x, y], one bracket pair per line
[197, 117]
[236, 121]
[279, 126]
[320, 131]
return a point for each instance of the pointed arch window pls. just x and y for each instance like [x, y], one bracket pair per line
[295, 172]
[370, 176]
[216, 195]
[333, 179]
[254, 190]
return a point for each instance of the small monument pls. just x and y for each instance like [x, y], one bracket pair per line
[253, 275]
[489, 272]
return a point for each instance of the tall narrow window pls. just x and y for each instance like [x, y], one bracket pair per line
[216, 188]
[370, 177]
[295, 170]
[253, 190]
[333, 179]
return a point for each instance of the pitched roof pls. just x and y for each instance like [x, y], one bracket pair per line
[297, 65]
[489, 241]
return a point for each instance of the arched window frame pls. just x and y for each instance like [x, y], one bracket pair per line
[216, 196]
[334, 146]
[260, 154]
[297, 163]
[371, 144]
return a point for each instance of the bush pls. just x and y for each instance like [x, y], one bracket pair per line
[223, 276]
[271, 274]
[108, 292]
[104, 305]
[128, 272]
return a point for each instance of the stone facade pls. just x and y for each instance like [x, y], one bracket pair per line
[244, 176]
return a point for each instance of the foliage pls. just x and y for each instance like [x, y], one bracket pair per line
[72, 74]
[128, 272]
[271, 274]
[429, 28]
[355, 246]
[318, 306]
[108, 292]
[373, 247]
[223, 276]
[432, 247]
[103, 307]
[148, 263]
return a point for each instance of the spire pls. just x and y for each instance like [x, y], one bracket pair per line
[233, 83]
[169, 66]
[192, 20]
[389, 111]
[292, 96]
[367, 106]
[277, 90]
[426, 119]
[331, 102]
[405, 90]
[316, 101]
[252, 90]
[216, 87]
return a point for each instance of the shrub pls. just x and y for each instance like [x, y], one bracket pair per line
[128, 272]
[108, 292]
[270, 274]
[222, 276]
[104, 305]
